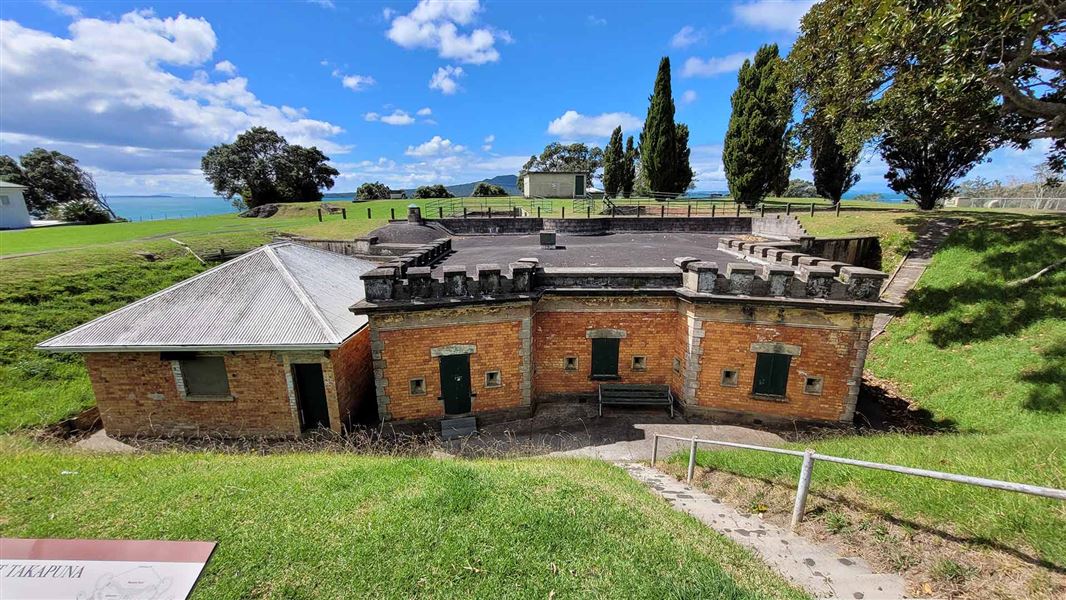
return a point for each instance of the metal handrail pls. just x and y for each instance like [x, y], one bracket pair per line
[809, 456]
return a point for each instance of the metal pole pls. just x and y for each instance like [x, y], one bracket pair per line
[564, 211]
[319, 215]
[838, 209]
[762, 210]
[490, 212]
[691, 459]
[368, 212]
[812, 209]
[344, 214]
[440, 212]
[392, 214]
[588, 212]
[713, 206]
[803, 487]
[690, 210]
[738, 209]
[464, 212]
[654, 448]
[612, 210]
[538, 212]
[662, 212]
[788, 208]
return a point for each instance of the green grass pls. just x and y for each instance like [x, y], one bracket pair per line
[324, 525]
[989, 362]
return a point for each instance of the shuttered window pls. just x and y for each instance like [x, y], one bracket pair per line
[205, 376]
[771, 374]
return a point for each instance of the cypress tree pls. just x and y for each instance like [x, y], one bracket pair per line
[658, 140]
[683, 175]
[629, 172]
[613, 164]
[832, 165]
[755, 149]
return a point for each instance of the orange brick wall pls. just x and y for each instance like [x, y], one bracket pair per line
[137, 394]
[559, 334]
[826, 353]
[354, 376]
[406, 353]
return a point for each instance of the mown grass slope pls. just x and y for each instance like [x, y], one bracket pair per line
[326, 525]
[988, 360]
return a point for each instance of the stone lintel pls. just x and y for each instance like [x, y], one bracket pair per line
[605, 333]
[775, 348]
[453, 350]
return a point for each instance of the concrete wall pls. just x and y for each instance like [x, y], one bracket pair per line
[861, 251]
[597, 226]
[551, 185]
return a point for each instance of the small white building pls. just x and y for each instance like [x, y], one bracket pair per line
[570, 184]
[13, 213]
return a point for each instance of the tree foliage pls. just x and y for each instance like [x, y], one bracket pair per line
[629, 168]
[561, 158]
[854, 67]
[664, 155]
[613, 164]
[261, 167]
[432, 191]
[51, 178]
[833, 165]
[485, 189]
[755, 154]
[372, 191]
[800, 188]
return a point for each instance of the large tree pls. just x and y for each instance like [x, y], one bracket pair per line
[485, 189]
[261, 167]
[372, 191]
[854, 65]
[53, 178]
[613, 164]
[561, 158]
[433, 191]
[629, 170]
[684, 175]
[755, 152]
[663, 161]
[11, 172]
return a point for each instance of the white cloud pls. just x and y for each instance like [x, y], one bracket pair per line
[226, 67]
[715, 65]
[445, 79]
[777, 15]
[109, 91]
[489, 139]
[323, 3]
[573, 124]
[596, 21]
[435, 24]
[424, 112]
[436, 146]
[398, 117]
[689, 97]
[687, 36]
[63, 9]
[357, 83]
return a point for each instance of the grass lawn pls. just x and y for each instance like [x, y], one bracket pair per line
[989, 362]
[325, 525]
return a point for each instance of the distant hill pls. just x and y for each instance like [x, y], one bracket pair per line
[507, 182]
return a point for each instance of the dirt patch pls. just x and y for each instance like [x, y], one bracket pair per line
[935, 561]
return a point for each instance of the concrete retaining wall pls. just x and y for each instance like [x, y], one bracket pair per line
[861, 251]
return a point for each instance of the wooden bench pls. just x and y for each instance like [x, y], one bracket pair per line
[636, 395]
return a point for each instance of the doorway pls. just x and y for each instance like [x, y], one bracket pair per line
[579, 186]
[455, 384]
[311, 395]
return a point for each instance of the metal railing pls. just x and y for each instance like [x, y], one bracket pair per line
[807, 469]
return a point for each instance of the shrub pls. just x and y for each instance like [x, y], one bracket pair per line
[84, 210]
[484, 189]
[372, 191]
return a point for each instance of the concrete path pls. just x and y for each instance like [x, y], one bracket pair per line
[907, 274]
[100, 442]
[816, 568]
[640, 449]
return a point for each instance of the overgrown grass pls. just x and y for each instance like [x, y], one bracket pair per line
[989, 361]
[325, 525]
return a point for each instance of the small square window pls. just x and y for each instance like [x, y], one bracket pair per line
[812, 385]
[640, 363]
[570, 363]
[677, 365]
[492, 379]
[205, 376]
[730, 377]
[418, 387]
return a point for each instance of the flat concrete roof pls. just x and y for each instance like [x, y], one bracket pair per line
[657, 249]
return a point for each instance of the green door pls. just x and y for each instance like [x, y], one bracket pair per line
[579, 185]
[604, 358]
[455, 383]
[771, 374]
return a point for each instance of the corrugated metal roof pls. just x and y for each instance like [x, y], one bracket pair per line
[281, 295]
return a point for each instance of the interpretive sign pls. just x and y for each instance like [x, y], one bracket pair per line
[100, 569]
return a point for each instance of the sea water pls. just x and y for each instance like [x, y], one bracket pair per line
[151, 208]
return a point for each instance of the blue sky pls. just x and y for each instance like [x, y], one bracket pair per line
[402, 92]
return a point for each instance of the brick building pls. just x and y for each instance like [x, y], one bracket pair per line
[488, 317]
[263, 345]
